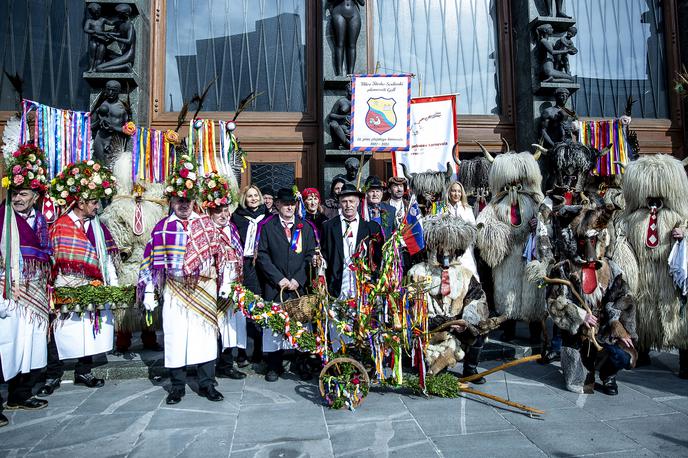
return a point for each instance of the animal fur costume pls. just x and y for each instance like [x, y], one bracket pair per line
[503, 232]
[453, 293]
[579, 252]
[659, 180]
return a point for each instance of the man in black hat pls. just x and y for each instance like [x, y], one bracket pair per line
[341, 237]
[285, 249]
[378, 211]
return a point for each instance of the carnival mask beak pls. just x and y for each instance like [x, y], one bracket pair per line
[515, 213]
[445, 262]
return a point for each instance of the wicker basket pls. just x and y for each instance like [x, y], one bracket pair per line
[300, 309]
[333, 366]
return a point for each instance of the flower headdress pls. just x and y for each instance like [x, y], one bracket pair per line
[26, 169]
[184, 181]
[85, 180]
[215, 191]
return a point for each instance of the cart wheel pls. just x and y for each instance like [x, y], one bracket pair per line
[333, 369]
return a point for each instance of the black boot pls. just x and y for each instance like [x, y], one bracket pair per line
[509, 328]
[683, 364]
[471, 360]
[609, 386]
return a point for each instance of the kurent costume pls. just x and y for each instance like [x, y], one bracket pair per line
[131, 217]
[84, 252]
[465, 213]
[453, 294]
[580, 269]
[504, 233]
[285, 250]
[184, 262]
[24, 272]
[216, 195]
[655, 189]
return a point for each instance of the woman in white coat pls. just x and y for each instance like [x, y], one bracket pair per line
[457, 205]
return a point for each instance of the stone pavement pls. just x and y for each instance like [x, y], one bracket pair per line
[286, 419]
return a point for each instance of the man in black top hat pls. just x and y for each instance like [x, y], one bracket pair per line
[286, 247]
[378, 211]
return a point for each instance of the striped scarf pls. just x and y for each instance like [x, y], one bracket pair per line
[75, 251]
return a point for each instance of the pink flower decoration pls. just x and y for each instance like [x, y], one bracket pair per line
[16, 169]
[18, 179]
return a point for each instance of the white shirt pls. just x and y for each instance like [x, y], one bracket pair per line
[83, 224]
[349, 232]
[30, 218]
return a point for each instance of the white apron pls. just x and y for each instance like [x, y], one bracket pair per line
[233, 330]
[74, 336]
[23, 344]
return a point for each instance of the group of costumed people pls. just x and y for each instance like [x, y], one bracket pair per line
[604, 258]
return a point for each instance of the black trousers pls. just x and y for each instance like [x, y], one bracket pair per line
[205, 372]
[55, 368]
[19, 387]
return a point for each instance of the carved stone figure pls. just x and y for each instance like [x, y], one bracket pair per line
[557, 121]
[548, 55]
[565, 43]
[351, 165]
[346, 25]
[556, 8]
[339, 121]
[108, 118]
[98, 39]
[124, 34]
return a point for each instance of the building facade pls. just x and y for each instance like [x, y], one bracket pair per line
[296, 54]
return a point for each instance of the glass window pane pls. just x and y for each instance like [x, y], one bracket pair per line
[274, 175]
[44, 43]
[250, 45]
[451, 46]
[621, 53]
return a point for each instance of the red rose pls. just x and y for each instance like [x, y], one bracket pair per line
[299, 226]
[184, 193]
[35, 184]
[16, 154]
[184, 172]
[106, 184]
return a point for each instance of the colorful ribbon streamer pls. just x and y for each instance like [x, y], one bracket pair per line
[598, 135]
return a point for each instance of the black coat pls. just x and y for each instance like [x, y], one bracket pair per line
[332, 248]
[388, 220]
[276, 260]
[251, 279]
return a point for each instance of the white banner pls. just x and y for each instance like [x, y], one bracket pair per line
[380, 112]
[433, 135]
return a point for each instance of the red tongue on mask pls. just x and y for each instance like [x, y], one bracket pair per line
[589, 278]
[652, 238]
[515, 214]
[482, 204]
[568, 197]
[445, 288]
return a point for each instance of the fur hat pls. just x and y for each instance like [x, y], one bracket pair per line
[215, 191]
[26, 169]
[85, 180]
[374, 182]
[184, 181]
[397, 180]
[448, 233]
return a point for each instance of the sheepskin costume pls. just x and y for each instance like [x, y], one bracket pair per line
[453, 292]
[662, 178]
[503, 231]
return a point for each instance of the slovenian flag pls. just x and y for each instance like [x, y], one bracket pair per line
[413, 230]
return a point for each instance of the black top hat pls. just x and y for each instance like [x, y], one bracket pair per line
[374, 182]
[267, 190]
[285, 195]
[350, 190]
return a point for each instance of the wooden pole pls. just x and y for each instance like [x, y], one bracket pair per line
[513, 363]
[501, 400]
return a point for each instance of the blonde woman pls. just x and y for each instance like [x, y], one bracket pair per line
[457, 205]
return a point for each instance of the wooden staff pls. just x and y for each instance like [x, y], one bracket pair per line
[513, 363]
[561, 281]
[501, 400]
